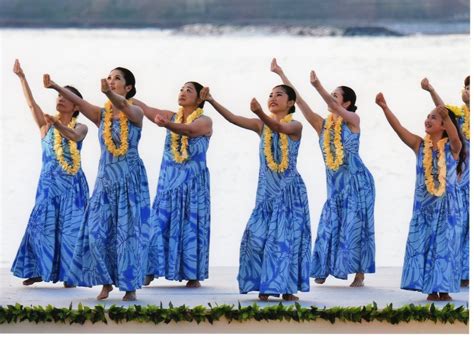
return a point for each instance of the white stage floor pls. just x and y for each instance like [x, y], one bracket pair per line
[383, 287]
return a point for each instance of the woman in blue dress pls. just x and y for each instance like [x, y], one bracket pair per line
[275, 250]
[181, 211]
[345, 242]
[114, 234]
[463, 119]
[432, 255]
[46, 250]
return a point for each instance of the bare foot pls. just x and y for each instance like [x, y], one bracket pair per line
[465, 283]
[67, 285]
[290, 297]
[358, 280]
[193, 284]
[130, 296]
[148, 280]
[104, 293]
[319, 280]
[263, 297]
[433, 297]
[445, 297]
[32, 280]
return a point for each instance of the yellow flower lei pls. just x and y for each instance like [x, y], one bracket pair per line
[182, 155]
[466, 127]
[59, 151]
[267, 140]
[331, 162]
[457, 110]
[107, 133]
[462, 111]
[428, 166]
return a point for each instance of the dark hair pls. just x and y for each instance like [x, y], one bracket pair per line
[129, 80]
[467, 81]
[198, 87]
[349, 95]
[75, 92]
[462, 154]
[291, 95]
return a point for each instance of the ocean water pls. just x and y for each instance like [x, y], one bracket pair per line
[236, 68]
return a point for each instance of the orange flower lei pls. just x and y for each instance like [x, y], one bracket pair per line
[428, 166]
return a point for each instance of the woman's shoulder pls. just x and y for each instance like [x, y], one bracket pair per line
[81, 125]
[205, 118]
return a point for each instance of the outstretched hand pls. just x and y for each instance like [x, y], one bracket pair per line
[313, 78]
[17, 69]
[380, 100]
[48, 82]
[160, 121]
[274, 67]
[205, 94]
[425, 84]
[255, 106]
[104, 86]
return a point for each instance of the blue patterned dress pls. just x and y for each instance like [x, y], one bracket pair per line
[275, 251]
[48, 244]
[181, 215]
[345, 242]
[432, 256]
[114, 234]
[463, 187]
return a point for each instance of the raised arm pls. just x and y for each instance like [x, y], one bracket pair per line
[151, 113]
[77, 134]
[92, 112]
[349, 117]
[291, 129]
[313, 118]
[253, 124]
[200, 127]
[454, 140]
[35, 109]
[133, 112]
[426, 85]
[413, 141]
